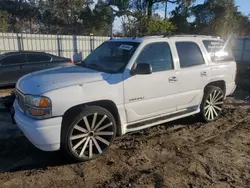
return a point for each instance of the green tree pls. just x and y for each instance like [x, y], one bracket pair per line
[3, 21]
[118, 8]
[145, 26]
[219, 17]
[96, 20]
[180, 19]
[151, 3]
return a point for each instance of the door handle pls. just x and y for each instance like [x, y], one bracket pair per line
[21, 67]
[173, 79]
[204, 73]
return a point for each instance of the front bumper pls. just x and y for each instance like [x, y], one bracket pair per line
[44, 134]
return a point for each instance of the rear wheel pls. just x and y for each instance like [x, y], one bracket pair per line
[212, 103]
[89, 134]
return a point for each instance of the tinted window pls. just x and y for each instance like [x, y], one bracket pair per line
[218, 50]
[189, 54]
[13, 59]
[158, 55]
[37, 58]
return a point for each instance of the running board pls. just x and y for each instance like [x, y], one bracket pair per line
[159, 120]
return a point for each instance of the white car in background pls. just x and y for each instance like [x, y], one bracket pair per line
[124, 85]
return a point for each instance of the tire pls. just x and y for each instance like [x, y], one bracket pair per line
[88, 134]
[212, 104]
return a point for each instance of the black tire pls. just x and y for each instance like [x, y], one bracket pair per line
[211, 109]
[70, 131]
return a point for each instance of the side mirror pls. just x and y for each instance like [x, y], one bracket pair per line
[142, 68]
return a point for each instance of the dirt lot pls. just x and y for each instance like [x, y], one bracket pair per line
[184, 153]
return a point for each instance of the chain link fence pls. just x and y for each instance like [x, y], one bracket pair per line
[61, 45]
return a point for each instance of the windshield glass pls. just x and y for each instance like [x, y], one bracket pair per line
[219, 50]
[110, 56]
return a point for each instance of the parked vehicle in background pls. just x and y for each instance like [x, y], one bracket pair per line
[124, 85]
[14, 65]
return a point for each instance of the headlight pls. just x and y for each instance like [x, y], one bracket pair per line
[38, 106]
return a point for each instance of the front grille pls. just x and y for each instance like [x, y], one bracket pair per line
[20, 100]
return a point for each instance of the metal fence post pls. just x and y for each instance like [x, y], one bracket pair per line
[92, 44]
[75, 44]
[59, 46]
[19, 42]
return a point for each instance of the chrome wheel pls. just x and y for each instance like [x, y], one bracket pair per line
[213, 105]
[91, 135]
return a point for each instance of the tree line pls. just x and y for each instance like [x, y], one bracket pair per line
[138, 17]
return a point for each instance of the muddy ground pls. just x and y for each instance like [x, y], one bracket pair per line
[183, 153]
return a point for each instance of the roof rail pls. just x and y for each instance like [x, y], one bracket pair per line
[189, 35]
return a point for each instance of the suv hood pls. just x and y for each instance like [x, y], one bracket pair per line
[43, 81]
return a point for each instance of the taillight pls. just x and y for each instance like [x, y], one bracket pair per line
[71, 62]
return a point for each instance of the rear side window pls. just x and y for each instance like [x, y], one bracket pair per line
[219, 50]
[189, 54]
[13, 59]
[158, 55]
[32, 58]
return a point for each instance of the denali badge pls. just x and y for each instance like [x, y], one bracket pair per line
[136, 99]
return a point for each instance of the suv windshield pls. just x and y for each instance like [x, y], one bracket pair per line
[110, 57]
[219, 50]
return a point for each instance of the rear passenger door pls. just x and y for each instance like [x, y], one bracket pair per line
[36, 62]
[193, 74]
[11, 68]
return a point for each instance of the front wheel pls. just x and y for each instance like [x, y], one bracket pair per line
[89, 134]
[212, 103]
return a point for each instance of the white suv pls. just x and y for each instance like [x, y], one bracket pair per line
[124, 85]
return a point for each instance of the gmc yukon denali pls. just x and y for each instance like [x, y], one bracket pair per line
[124, 85]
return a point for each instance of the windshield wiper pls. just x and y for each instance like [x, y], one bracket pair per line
[91, 66]
[95, 67]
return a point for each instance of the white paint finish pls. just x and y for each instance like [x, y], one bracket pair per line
[44, 134]
[157, 92]
[44, 81]
[67, 97]
[191, 85]
[71, 86]
[230, 88]
[157, 95]
[162, 121]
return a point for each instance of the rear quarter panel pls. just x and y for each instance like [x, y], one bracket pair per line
[225, 71]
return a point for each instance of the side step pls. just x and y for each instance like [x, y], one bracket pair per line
[159, 120]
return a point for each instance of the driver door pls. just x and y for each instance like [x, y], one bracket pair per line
[154, 94]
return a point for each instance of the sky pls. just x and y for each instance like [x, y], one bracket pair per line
[243, 6]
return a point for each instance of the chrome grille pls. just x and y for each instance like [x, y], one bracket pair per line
[20, 100]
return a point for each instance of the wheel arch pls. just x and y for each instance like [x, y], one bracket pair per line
[219, 83]
[107, 104]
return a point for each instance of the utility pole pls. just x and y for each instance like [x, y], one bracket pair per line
[166, 9]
